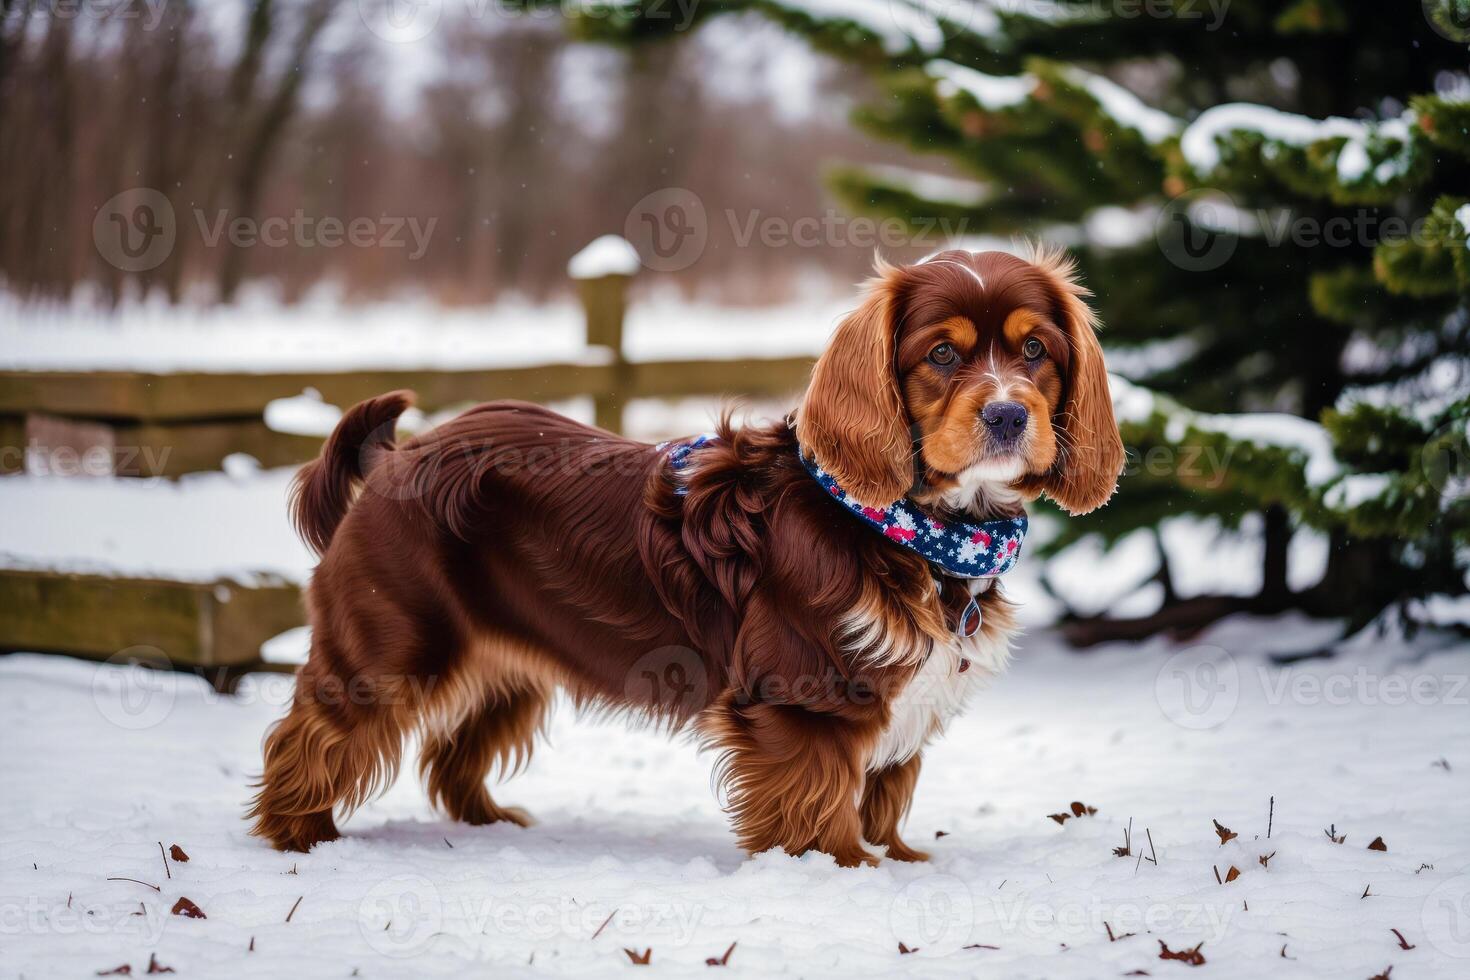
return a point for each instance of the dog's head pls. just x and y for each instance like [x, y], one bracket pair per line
[971, 380]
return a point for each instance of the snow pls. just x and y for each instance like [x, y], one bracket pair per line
[897, 24]
[290, 647]
[1357, 489]
[1353, 162]
[609, 255]
[1202, 151]
[930, 186]
[1443, 610]
[1172, 738]
[304, 414]
[1132, 403]
[989, 91]
[325, 336]
[1111, 226]
[1152, 124]
[199, 528]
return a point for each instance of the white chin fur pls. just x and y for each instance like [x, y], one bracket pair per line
[985, 488]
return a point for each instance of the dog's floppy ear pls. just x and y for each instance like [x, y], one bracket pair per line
[852, 418]
[1090, 457]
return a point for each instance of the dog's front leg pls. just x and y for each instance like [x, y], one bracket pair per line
[792, 778]
[886, 799]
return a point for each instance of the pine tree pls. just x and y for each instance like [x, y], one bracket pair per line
[1271, 201]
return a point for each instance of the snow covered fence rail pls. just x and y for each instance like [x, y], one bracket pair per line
[167, 423]
[192, 573]
[142, 424]
[216, 628]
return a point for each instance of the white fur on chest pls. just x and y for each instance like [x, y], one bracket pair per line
[936, 693]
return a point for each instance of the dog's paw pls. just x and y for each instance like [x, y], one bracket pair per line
[517, 815]
[855, 858]
[899, 851]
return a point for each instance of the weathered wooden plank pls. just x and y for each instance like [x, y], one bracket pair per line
[191, 624]
[175, 448]
[605, 300]
[55, 446]
[195, 397]
[12, 444]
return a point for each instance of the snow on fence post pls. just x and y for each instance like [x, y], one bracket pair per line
[602, 272]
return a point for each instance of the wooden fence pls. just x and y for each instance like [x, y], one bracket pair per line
[149, 424]
[144, 424]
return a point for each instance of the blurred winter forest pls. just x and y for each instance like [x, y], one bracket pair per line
[521, 142]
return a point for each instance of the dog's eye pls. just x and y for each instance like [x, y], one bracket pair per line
[943, 355]
[1033, 349]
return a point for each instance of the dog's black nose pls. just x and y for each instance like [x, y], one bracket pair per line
[1005, 422]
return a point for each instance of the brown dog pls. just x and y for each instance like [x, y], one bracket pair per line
[512, 552]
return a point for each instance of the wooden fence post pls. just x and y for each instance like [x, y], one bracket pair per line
[602, 272]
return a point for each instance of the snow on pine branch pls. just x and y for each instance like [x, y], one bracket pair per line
[994, 92]
[902, 25]
[1201, 142]
[936, 188]
[1152, 124]
[899, 26]
[990, 92]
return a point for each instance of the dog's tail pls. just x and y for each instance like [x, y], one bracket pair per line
[322, 491]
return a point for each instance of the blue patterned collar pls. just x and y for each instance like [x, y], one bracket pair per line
[983, 550]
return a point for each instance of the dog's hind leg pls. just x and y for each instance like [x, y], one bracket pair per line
[499, 731]
[339, 744]
[487, 717]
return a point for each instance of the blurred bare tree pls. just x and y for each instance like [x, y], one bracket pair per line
[520, 144]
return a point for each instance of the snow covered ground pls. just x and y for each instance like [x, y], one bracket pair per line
[103, 764]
